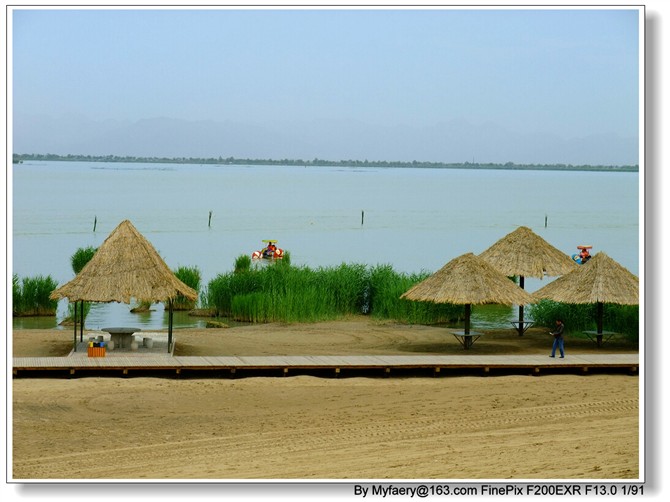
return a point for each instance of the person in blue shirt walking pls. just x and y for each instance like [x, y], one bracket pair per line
[558, 338]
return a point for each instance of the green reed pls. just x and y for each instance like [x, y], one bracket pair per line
[81, 257]
[386, 288]
[78, 260]
[30, 296]
[622, 319]
[68, 320]
[16, 295]
[279, 292]
[618, 318]
[242, 263]
[191, 277]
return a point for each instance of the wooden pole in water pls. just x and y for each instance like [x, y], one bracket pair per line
[209, 222]
[545, 221]
[362, 217]
[95, 223]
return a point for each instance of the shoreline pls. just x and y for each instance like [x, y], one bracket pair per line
[353, 336]
[582, 427]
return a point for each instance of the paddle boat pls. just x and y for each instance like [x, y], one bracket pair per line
[583, 256]
[269, 252]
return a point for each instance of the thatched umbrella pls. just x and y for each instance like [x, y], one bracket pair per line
[468, 280]
[526, 254]
[601, 280]
[125, 266]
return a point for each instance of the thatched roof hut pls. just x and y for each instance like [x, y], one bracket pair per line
[601, 280]
[125, 266]
[468, 280]
[525, 254]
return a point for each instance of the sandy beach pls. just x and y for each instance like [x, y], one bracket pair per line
[451, 428]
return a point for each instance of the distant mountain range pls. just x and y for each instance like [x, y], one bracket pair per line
[454, 141]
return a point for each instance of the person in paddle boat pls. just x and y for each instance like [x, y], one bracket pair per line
[269, 251]
[585, 255]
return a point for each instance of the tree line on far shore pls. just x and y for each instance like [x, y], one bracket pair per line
[19, 158]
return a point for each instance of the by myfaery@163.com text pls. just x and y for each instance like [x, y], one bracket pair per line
[451, 490]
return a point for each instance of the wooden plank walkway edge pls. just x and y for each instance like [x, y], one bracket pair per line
[161, 365]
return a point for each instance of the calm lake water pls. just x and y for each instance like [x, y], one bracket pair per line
[413, 219]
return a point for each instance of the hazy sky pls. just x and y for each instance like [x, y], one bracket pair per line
[566, 73]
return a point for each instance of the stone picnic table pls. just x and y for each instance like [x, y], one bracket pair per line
[122, 336]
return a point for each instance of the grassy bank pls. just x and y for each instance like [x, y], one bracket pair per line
[280, 292]
[30, 296]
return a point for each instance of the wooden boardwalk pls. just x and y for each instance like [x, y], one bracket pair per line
[151, 364]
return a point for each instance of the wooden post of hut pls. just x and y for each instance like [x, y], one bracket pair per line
[467, 337]
[599, 323]
[81, 325]
[521, 281]
[170, 318]
[74, 338]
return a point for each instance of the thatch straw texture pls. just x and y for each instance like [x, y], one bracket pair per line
[468, 280]
[125, 266]
[600, 280]
[524, 253]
